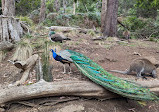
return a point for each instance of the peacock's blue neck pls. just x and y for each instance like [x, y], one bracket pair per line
[54, 54]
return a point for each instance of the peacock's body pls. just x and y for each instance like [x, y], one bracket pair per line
[57, 37]
[63, 57]
[117, 85]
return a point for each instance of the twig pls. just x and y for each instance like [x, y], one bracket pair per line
[152, 33]
[26, 103]
[54, 102]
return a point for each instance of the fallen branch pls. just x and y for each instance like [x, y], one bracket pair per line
[54, 102]
[67, 29]
[43, 89]
[64, 88]
[26, 66]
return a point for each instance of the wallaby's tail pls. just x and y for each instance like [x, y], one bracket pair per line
[117, 71]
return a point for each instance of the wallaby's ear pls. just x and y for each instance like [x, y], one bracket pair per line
[156, 65]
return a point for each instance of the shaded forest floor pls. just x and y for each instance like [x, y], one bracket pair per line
[110, 54]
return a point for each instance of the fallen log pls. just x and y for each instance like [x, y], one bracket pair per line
[68, 29]
[62, 88]
[43, 89]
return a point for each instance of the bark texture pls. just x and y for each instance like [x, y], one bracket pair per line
[27, 66]
[8, 7]
[10, 29]
[111, 18]
[103, 14]
[64, 6]
[74, 7]
[64, 88]
[42, 11]
[43, 89]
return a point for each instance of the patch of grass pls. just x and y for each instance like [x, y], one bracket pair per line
[108, 46]
[153, 39]
[23, 50]
[26, 20]
[76, 43]
[127, 44]
[91, 33]
[28, 36]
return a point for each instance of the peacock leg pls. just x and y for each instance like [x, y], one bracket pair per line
[70, 69]
[64, 69]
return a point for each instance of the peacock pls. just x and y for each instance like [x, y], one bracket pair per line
[63, 57]
[57, 37]
[98, 75]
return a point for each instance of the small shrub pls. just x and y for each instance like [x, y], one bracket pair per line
[26, 20]
[134, 23]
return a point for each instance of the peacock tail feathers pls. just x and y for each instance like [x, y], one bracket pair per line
[117, 85]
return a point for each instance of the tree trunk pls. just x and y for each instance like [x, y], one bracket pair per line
[8, 7]
[42, 11]
[111, 18]
[57, 5]
[103, 14]
[10, 29]
[74, 7]
[64, 5]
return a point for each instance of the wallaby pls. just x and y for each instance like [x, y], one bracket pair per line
[141, 66]
[126, 34]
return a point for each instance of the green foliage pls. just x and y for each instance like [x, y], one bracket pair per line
[147, 3]
[50, 5]
[95, 16]
[86, 6]
[81, 19]
[149, 30]
[147, 8]
[126, 7]
[26, 19]
[134, 23]
[29, 36]
[141, 27]
[23, 7]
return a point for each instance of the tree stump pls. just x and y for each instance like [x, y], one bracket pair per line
[10, 29]
[26, 66]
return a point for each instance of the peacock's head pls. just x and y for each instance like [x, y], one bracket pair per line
[53, 50]
[51, 32]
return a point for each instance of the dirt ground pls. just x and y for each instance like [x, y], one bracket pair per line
[110, 54]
